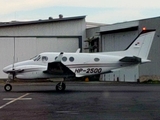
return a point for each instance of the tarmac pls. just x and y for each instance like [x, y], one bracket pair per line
[81, 101]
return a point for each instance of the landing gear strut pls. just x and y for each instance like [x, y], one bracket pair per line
[8, 87]
[61, 86]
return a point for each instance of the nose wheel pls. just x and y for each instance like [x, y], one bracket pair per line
[8, 87]
[60, 86]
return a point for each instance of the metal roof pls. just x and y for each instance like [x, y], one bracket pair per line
[18, 23]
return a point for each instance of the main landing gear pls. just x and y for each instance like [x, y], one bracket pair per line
[61, 86]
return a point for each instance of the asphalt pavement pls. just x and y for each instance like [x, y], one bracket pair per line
[81, 101]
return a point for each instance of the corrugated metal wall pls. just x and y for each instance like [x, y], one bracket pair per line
[152, 69]
[118, 42]
[26, 48]
[33, 39]
[66, 28]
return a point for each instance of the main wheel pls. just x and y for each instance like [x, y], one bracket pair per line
[60, 86]
[8, 87]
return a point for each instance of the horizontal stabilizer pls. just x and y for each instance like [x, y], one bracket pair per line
[133, 59]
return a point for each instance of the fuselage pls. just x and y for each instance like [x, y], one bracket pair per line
[82, 64]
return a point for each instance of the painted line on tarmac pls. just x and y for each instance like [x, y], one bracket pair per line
[14, 100]
[67, 112]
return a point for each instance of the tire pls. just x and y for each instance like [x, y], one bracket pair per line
[60, 87]
[8, 87]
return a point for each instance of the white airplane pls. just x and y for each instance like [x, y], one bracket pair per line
[53, 64]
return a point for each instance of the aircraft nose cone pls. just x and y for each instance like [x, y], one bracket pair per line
[6, 69]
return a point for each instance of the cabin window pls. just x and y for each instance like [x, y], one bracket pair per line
[64, 59]
[71, 59]
[44, 58]
[96, 59]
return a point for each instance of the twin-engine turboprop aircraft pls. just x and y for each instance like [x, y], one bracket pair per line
[54, 65]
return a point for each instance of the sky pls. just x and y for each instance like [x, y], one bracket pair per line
[99, 11]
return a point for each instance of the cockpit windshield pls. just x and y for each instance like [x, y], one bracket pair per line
[39, 57]
[36, 58]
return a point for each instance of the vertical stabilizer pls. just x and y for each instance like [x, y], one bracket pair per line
[140, 47]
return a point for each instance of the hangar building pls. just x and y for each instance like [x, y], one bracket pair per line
[117, 37]
[22, 40]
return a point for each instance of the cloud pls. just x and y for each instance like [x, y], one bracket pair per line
[120, 15]
[107, 11]
[8, 6]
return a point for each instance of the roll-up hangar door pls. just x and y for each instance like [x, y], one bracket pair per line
[118, 42]
[24, 48]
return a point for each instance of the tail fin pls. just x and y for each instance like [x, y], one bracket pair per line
[140, 47]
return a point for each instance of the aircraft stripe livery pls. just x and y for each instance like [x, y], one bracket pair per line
[63, 65]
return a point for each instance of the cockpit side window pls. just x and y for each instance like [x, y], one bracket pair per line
[37, 58]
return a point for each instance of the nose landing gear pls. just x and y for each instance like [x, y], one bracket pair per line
[8, 87]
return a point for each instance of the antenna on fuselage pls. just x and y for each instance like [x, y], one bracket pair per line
[78, 50]
[59, 58]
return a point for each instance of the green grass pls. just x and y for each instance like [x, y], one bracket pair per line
[150, 81]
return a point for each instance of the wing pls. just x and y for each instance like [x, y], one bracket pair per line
[133, 59]
[58, 68]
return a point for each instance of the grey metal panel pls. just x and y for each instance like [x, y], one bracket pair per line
[48, 29]
[69, 35]
[152, 68]
[57, 44]
[118, 26]
[117, 41]
[62, 28]
[92, 32]
[130, 74]
[25, 48]
[68, 44]
[6, 53]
